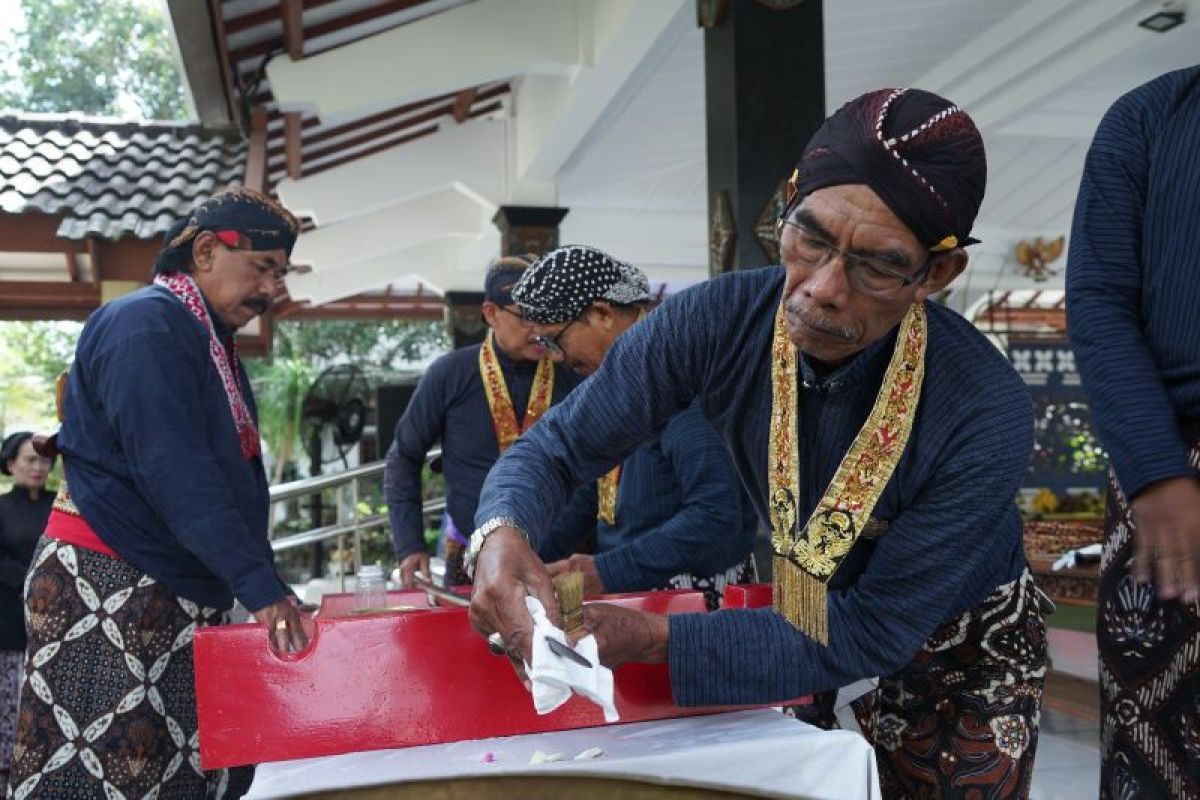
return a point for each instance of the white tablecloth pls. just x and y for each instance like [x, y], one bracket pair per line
[754, 752]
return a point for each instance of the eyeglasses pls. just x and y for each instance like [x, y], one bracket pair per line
[866, 275]
[273, 271]
[550, 343]
[517, 314]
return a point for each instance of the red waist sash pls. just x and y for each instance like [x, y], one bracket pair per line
[75, 530]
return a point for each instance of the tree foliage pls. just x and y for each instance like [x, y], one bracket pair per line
[382, 346]
[32, 354]
[103, 58]
[383, 349]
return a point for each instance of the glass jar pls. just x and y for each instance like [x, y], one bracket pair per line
[370, 591]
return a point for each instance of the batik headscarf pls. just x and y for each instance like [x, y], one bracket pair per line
[563, 283]
[241, 218]
[919, 152]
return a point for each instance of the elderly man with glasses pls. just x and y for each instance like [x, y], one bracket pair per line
[673, 514]
[476, 401]
[881, 436]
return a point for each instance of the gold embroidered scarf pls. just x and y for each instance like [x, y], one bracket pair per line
[607, 486]
[610, 482]
[806, 558]
[504, 416]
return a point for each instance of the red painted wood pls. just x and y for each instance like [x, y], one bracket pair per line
[394, 679]
[747, 595]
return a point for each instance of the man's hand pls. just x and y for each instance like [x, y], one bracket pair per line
[410, 564]
[506, 571]
[1167, 540]
[592, 583]
[285, 633]
[624, 635]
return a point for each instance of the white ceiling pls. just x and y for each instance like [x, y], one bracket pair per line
[1037, 73]
[651, 156]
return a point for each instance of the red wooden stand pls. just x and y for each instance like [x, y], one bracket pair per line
[392, 679]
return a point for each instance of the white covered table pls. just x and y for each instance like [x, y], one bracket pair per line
[758, 753]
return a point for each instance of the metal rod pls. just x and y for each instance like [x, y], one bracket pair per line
[358, 546]
[286, 491]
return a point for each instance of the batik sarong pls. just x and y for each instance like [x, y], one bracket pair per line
[961, 720]
[108, 706]
[713, 586]
[1149, 673]
[11, 662]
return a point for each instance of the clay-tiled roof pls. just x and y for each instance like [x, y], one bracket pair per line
[111, 178]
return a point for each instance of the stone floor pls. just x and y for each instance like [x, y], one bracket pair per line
[1067, 766]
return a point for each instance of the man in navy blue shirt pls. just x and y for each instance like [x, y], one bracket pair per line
[880, 434]
[476, 401]
[673, 514]
[1132, 302]
[164, 523]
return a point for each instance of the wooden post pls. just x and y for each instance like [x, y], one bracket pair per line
[256, 158]
[765, 96]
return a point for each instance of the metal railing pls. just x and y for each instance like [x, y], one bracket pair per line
[349, 521]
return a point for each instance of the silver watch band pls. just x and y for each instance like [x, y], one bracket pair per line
[477, 538]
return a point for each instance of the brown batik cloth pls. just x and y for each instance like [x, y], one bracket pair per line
[713, 586]
[961, 720]
[1149, 674]
[10, 693]
[108, 706]
[456, 568]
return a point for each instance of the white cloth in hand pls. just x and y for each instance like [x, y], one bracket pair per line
[1068, 559]
[554, 677]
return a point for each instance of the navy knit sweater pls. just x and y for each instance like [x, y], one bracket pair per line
[450, 407]
[953, 535]
[1133, 278]
[153, 459]
[680, 509]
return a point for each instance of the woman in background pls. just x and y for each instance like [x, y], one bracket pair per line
[23, 514]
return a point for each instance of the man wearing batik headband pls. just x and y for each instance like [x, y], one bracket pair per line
[673, 514]
[476, 401]
[881, 436]
[164, 523]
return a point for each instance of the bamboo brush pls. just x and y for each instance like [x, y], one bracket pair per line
[569, 588]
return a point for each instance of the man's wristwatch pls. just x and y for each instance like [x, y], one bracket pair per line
[479, 535]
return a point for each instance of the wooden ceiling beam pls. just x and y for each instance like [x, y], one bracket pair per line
[350, 127]
[379, 133]
[261, 48]
[372, 150]
[126, 259]
[292, 13]
[275, 115]
[483, 111]
[463, 103]
[256, 157]
[292, 144]
[277, 146]
[35, 300]
[33, 232]
[252, 20]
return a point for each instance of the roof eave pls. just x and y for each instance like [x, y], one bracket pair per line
[198, 59]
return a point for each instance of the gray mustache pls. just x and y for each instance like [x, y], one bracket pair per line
[823, 324]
